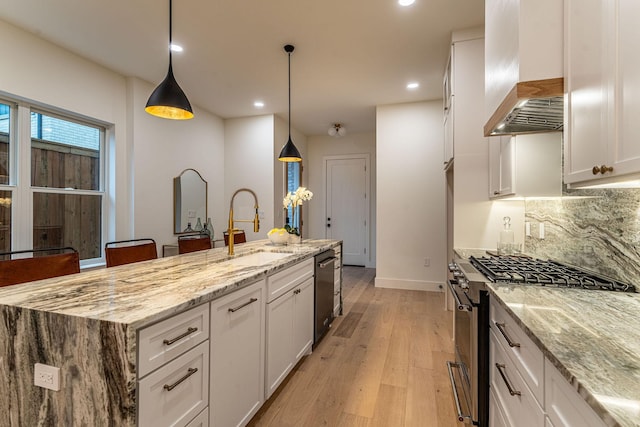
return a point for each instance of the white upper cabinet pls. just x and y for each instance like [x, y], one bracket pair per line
[603, 84]
[462, 94]
[525, 165]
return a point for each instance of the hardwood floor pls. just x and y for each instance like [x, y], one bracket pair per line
[381, 364]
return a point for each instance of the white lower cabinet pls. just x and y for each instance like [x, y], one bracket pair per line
[510, 392]
[289, 324]
[526, 389]
[175, 393]
[564, 406]
[237, 356]
[202, 420]
[496, 417]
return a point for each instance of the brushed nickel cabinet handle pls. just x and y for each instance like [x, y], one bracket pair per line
[512, 392]
[251, 301]
[190, 372]
[500, 327]
[179, 337]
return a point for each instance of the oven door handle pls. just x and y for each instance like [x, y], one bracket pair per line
[461, 417]
[459, 304]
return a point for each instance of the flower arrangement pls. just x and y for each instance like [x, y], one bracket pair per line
[294, 200]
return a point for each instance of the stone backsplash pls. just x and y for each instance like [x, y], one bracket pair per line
[598, 229]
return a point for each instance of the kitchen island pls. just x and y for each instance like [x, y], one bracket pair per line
[591, 337]
[88, 325]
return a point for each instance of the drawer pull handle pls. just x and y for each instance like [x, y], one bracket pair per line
[512, 392]
[500, 327]
[326, 262]
[179, 337]
[190, 372]
[251, 301]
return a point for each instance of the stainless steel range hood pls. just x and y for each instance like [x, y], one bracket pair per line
[530, 107]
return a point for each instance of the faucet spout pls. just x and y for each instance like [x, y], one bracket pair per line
[255, 220]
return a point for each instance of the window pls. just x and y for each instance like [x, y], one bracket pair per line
[61, 194]
[293, 182]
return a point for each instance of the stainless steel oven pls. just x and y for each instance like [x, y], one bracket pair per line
[469, 373]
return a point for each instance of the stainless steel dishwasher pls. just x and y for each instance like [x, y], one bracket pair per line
[323, 307]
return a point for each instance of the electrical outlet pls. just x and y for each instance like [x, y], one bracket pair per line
[527, 229]
[541, 230]
[427, 262]
[46, 376]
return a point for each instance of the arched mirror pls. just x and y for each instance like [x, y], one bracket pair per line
[189, 200]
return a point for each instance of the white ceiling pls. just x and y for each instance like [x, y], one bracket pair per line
[350, 55]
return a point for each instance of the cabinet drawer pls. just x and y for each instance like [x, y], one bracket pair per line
[169, 338]
[520, 409]
[522, 351]
[201, 420]
[174, 394]
[285, 280]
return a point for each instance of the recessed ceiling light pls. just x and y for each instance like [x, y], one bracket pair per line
[413, 85]
[406, 2]
[258, 104]
[176, 47]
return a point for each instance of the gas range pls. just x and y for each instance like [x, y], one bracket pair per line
[510, 269]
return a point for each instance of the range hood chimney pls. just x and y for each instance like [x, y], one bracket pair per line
[530, 107]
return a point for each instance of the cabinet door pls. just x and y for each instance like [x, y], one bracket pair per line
[303, 319]
[589, 86]
[501, 166]
[448, 132]
[280, 324]
[564, 406]
[237, 356]
[627, 154]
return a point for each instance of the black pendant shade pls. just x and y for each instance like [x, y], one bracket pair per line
[289, 152]
[168, 100]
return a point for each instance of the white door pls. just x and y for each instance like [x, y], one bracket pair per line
[347, 206]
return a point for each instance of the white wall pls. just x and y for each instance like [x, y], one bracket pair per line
[248, 146]
[410, 196]
[320, 147]
[162, 149]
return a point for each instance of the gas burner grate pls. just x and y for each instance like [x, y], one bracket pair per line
[545, 273]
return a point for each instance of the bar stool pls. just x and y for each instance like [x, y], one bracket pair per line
[193, 242]
[37, 267]
[130, 251]
[238, 237]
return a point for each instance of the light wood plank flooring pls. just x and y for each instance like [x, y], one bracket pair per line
[381, 364]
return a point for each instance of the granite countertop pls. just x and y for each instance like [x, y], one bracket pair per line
[592, 337]
[144, 292]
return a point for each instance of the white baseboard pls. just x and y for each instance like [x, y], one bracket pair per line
[411, 285]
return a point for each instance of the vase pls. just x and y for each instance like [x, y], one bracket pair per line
[294, 239]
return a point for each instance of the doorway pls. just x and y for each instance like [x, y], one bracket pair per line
[347, 181]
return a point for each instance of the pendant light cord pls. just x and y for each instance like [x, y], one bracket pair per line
[289, 53]
[170, 31]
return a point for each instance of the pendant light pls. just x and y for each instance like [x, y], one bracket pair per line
[168, 100]
[289, 151]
